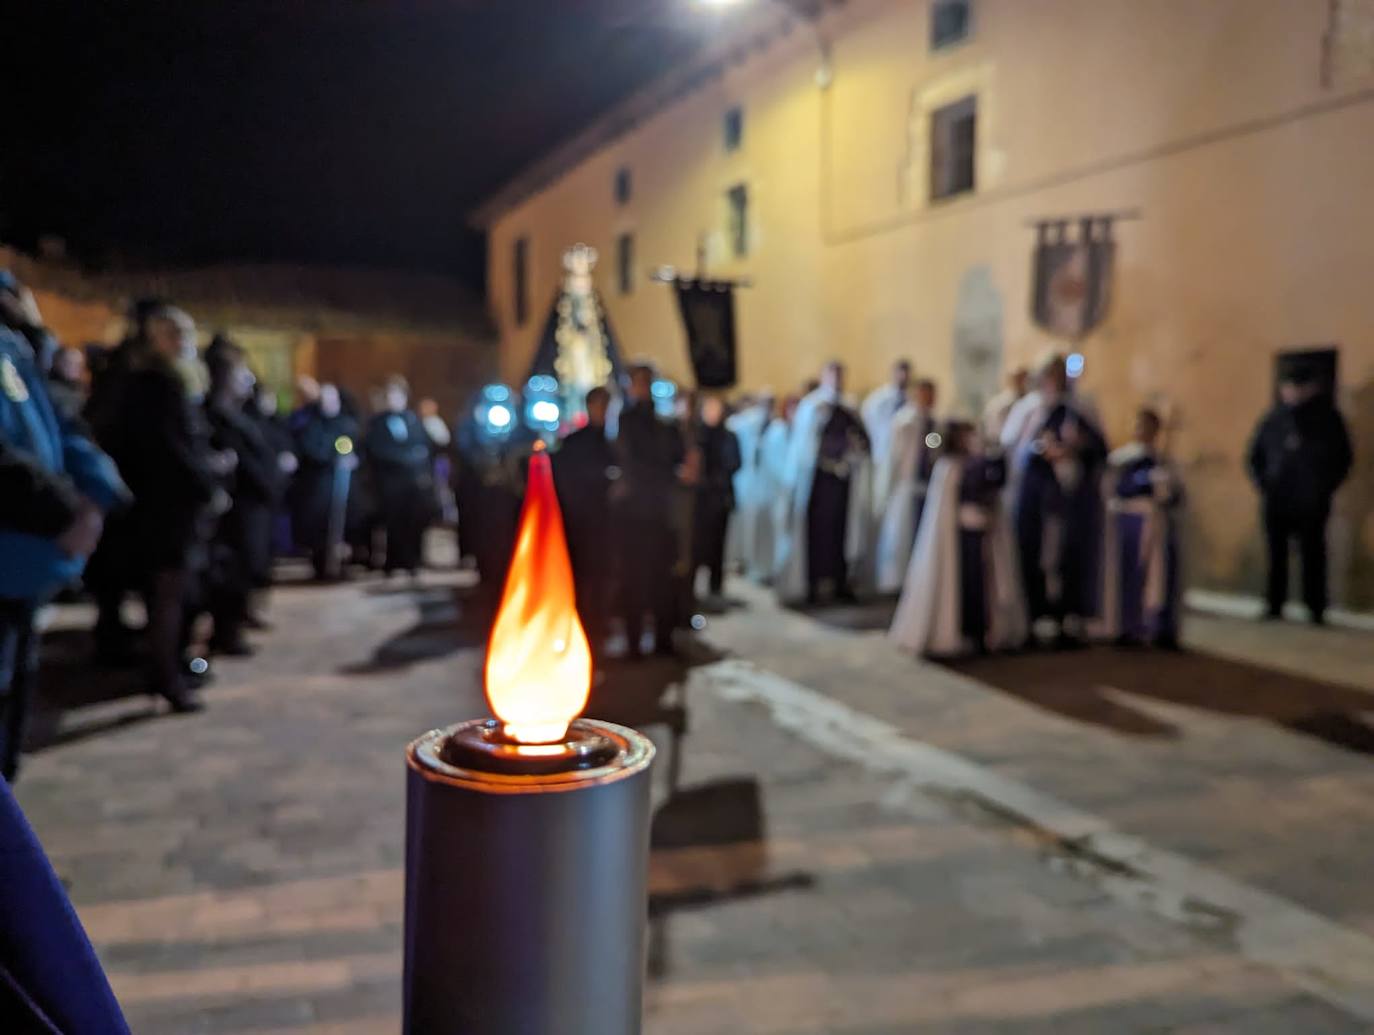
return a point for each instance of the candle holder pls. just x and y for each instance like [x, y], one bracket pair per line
[526, 881]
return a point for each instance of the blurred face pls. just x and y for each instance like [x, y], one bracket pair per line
[1055, 379]
[329, 400]
[395, 398]
[172, 337]
[307, 390]
[901, 373]
[429, 408]
[641, 386]
[1019, 379]
[267, 402]
[832, 377]
[69, 364]
[1146, 428]
[242, 382]
[925, 396]
[596, 410]
[712, 411]
[1291, 393]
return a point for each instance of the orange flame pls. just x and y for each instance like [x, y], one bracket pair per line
[539, 666]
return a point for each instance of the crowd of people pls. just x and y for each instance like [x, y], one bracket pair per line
[1012, 529]
[166, 471]
[161, 470]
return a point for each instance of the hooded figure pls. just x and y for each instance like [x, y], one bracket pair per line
[879, 412]
[830, 475]
[747, 425]
[962, 593]
[771, 481]
[911, 455]
[1140, 544]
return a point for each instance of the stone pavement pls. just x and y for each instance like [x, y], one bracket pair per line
[239, 870]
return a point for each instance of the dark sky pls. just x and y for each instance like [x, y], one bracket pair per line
[357, 132]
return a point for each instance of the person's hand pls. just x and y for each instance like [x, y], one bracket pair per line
[1069, 434]
[19, 308]
[220, 502]
[83, 534]
[287, 463]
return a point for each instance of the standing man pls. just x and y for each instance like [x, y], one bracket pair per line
[828, 458]
[747, 424]
[583, 469]
[327, 447]
[1057, 451]
[650, 451]
[715, 500]
[55, 488]
[912, 452]
[879, 411]
[1299, 456]
[399, 452]
[999, 406]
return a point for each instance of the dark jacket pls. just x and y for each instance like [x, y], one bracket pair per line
[400, 452]
[1300, 455]
[321, 442]
[650, 450]
[583, 470]
[720, 459]
[46, 466]
[255, 487]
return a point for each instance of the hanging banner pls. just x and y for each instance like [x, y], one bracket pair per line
[1071, 276]
[708, 314]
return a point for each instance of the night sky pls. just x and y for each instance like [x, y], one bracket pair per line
[351, 132]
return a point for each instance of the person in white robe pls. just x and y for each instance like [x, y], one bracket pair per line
[962, 593]
[999, 406]
[879, 410]
[770, 515]
[1141, 587]
[911, 456]
[747, 424]
[826, 534]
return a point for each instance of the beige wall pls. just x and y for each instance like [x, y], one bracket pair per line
[1210, 116]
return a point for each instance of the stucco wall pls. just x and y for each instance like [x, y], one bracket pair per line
[1210, 116]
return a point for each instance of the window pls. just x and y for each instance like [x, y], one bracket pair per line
[521, 257]
[625, 262]
[950, 21]
[737, 201]
[623, 185]
[734, 128]
[953, 147]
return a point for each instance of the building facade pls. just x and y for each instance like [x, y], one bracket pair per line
[877, 174]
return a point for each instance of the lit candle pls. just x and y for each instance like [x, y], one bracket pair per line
[527, 835]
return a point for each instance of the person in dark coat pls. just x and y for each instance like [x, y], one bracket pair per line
[50, 978]
[584, 469]
[55, 487]
[715, 496]
[241, 553]
[400, 456]
[144, 416]
[650, 451]
[275, 429]
[327, 448]
[1299, 456]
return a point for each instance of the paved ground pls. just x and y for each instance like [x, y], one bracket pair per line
[240, 869]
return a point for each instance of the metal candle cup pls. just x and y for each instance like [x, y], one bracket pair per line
[527, 836]
[525, 892]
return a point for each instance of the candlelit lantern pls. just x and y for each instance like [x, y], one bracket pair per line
[527, 834]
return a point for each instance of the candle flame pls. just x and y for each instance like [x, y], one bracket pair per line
[539, 665]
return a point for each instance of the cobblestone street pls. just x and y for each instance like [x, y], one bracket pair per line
[846, 841]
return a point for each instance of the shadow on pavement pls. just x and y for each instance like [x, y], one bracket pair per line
[450, 619]
[69, 681]
[1086, 686]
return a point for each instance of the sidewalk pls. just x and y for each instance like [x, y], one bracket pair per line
[240, 870]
